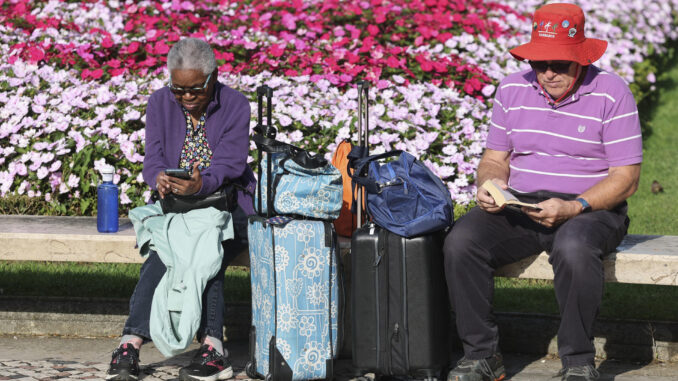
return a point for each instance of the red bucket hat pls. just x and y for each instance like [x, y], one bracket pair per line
[558, 35]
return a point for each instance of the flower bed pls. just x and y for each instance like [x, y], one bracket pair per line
[77, 75]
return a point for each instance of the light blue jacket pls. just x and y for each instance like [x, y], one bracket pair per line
[189, 244]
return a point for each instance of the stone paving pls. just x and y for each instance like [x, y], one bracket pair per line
[51, 358]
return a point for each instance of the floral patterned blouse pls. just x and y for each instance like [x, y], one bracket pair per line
[196, 147]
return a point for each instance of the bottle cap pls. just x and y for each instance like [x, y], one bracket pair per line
[107, 173]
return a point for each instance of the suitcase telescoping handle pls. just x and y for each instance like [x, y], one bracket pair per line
[265, 132]
[363, 133]
[267, 129]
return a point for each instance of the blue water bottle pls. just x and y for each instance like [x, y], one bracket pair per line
[107, 203]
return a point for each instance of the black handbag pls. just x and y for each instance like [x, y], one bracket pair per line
[225, 199]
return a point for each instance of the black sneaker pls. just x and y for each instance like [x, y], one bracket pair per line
[579, 373]
[207, 365]
[124, 364]
[489, 369]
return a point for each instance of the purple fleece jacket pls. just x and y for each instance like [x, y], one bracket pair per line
[227, 127]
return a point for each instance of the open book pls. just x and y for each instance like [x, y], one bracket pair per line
[502, 197]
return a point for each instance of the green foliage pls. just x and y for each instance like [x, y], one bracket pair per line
[655, 213]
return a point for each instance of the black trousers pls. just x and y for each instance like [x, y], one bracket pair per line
[480, 242]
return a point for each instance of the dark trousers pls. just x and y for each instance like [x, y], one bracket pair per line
[152, 270]
[480, 242]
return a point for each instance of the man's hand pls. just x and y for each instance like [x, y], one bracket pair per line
[186, 187]
[554, 212]
[485, 200]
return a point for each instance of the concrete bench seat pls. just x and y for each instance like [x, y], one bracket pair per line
[642, 259]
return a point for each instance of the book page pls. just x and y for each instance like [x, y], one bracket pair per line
[502, 196]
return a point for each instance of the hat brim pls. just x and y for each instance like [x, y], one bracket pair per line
[584, 53]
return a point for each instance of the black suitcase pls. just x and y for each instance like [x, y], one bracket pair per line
[400, 311]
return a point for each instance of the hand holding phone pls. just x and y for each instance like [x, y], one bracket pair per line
[180, 173]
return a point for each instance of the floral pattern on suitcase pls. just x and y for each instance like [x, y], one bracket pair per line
[307, 289]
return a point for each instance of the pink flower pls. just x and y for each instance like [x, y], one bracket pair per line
[96, 74]
[277, 50]
[36, 54]
[161, 47]
[392, 62]
[133, 47]
[289, 21]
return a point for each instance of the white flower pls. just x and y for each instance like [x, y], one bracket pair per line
[283, 347]
[316, 294]
[312, 261]
[287, 318]
[282, 258]
[313, 357]
[307, 326]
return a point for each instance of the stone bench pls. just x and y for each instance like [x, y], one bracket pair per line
[642, 259]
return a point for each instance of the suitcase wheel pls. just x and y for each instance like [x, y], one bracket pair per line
[250, 370]
[269, 377]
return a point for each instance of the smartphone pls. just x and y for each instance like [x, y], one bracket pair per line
[178, 172]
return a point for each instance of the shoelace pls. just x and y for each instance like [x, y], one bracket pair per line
[485, 368]
[207, 355]
[123, 353]
[584, 370]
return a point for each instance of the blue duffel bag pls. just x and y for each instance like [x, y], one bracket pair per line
[403, 195]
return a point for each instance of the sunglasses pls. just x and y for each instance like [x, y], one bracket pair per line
[192, 90]
[556, 67]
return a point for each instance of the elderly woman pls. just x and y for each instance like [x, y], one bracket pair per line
[201, 125]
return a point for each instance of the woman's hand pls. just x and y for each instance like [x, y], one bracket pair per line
[162, 184]
[554, 212]
[485, 200]
[186, 187]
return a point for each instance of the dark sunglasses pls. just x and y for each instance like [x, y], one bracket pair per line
[556, 67]
[192, 90]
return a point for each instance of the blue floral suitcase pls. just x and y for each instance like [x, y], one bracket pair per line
[296, 299]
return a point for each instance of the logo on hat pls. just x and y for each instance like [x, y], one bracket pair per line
[572, 31]
[535, 26]
[565, 23]
[546, 32]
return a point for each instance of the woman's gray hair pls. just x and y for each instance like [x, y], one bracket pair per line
[191, 53]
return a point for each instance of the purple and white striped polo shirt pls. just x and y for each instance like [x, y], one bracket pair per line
[570, 147]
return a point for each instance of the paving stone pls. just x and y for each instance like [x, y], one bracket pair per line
[78, 359]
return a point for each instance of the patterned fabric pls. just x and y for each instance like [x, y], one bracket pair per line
[295, 295]
[196, 147]
[308, 192]
[279, 220]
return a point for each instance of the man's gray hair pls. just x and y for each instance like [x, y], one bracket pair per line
[191, 53]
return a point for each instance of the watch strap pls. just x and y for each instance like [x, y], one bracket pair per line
[585, 207]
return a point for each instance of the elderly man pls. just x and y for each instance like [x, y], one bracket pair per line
[564, 135]
[201, 125]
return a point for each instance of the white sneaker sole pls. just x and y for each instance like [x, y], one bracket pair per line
[125, 377]
[223, 375]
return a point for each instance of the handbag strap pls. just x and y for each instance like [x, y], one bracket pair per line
[359, 165]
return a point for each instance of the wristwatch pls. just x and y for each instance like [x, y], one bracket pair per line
[585, 207]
